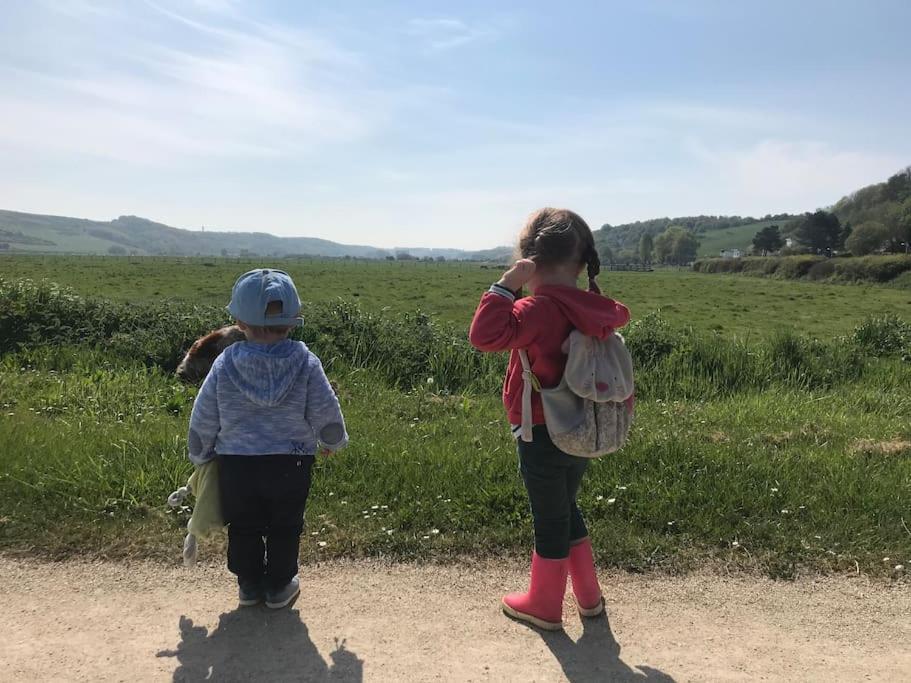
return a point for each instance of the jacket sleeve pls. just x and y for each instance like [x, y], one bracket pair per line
[204, 420]
[501, 323]
[323, 411]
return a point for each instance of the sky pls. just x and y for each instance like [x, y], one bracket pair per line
[445, 124]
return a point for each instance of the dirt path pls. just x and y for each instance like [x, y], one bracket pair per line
[364, 621]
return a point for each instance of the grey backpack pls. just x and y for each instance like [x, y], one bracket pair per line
[586, 413]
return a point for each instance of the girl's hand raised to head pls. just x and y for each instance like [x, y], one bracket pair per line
[516, 277]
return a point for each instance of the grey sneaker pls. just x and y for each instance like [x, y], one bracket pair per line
[284, 597]
[250, 594]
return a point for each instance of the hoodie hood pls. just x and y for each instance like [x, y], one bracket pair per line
[594, 315]
[264, 373]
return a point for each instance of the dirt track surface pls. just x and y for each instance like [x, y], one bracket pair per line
[375, 622]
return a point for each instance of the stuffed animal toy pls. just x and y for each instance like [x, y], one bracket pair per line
[206, 518]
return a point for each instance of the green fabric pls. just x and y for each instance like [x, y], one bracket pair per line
[206, 517]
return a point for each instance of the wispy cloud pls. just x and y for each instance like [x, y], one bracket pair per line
[225, 85]
[447, 33]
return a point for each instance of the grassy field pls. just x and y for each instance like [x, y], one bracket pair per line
[771, 451]
[711, 243]
[450, 291]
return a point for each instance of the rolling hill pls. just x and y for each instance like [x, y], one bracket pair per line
[713, 242]
[25, 232]
[714, 232]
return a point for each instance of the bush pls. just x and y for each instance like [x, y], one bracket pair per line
[822, 270]
[406, 349]
[796, 267]
[872, 268]
[903, 281]
[412, 350]
[846, 268]
[651, 339]
[887, 335]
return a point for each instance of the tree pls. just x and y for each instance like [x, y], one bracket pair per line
[844, 235]
[768, 239]
[818, 231]
[646, 248]
[904, 224]
[676, 246]
[867, 238]
[117, 250]
[898, 187]
[605, 253]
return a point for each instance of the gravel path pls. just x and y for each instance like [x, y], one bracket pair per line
[369, 621]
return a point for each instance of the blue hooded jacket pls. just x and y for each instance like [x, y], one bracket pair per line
[265, 399]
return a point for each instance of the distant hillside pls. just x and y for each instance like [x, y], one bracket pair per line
[25, 232]
[714, 232]
[714, 242]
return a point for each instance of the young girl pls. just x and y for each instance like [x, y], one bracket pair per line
[553, 249]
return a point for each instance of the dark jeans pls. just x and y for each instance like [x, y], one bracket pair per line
[552, 479]
[263, 497]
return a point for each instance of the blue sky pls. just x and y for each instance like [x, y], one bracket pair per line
[445, 124]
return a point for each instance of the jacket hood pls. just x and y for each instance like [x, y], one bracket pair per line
[594, 315]
[264, 373]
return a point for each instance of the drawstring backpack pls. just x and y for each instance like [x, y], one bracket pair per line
[586, 413]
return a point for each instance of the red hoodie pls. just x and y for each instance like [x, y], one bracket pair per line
[540, 324]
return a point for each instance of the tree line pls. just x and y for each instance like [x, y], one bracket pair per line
[676, 246]
[874, 219]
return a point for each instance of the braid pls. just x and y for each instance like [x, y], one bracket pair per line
[594, 268]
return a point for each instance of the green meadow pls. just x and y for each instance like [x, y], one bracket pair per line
[772, 430]
[450, 291]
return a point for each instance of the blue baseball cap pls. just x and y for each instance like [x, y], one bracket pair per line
[256, 289]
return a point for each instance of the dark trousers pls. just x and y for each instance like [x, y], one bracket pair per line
[263, 499]
[552, 479]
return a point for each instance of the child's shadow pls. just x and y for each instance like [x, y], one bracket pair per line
[258, 645]
[596, 656]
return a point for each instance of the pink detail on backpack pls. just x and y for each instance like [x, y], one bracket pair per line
[602, 386]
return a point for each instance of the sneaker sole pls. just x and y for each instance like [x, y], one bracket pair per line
[596, 611]
[249, 603]
[531, 619]
[283, 603]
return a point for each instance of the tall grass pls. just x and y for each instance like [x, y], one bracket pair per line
[778, 452]
[772, 481]
[410, 349]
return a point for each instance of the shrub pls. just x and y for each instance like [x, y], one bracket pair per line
[872, 268]
[407, 350]
[822, 270]
[883, 336]
[651, 338]
[903, 281]
[796, 267]
[845, 268]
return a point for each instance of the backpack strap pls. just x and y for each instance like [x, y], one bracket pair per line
[529, 382]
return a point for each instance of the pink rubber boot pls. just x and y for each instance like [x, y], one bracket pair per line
[585, 579]
[542, 605]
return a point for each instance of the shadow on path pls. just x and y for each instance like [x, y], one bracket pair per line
[256, 644]
[596, 656]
